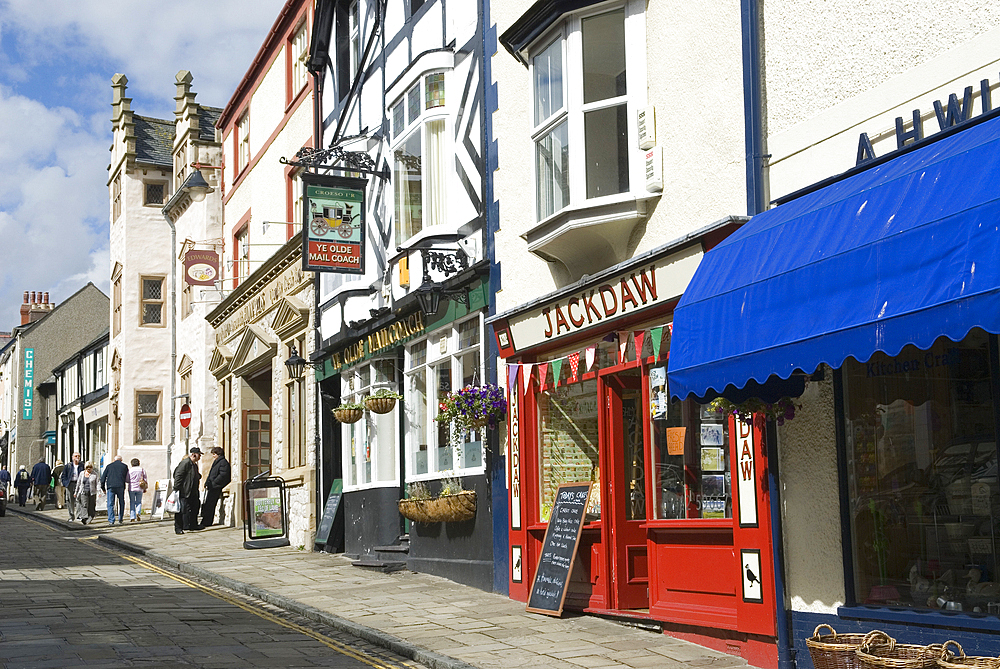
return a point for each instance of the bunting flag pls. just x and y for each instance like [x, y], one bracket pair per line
[526, 378]
[543, 370]
[574, 366]
[640, 337]
[512, 371]
[591, 355]
[622, 345]
[657, 335]
[556, 369]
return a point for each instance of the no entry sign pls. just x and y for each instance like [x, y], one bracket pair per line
[185, 415]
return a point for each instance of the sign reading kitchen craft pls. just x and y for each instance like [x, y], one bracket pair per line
[642, 287]
[333, 237]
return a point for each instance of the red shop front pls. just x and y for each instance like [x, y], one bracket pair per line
[678, 529]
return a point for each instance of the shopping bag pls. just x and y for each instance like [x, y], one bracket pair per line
[171, 503]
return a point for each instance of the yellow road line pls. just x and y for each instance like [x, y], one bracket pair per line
[29, 520]
[325, 640]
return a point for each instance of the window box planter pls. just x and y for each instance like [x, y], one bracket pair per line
[448, 508]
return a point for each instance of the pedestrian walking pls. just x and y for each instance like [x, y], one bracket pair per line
[41, 478]
[137, 485]
[57, 483]
[218, 478]
[70, 477]
[114, 480]
[86, 493]
[186, 479]
[22, 482]
[4, 477]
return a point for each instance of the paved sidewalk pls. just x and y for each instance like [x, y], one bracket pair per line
[429, 619]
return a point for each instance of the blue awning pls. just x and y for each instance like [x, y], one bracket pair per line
[901, 253]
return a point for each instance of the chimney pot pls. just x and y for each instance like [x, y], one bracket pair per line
[46, 298]
[34, 297]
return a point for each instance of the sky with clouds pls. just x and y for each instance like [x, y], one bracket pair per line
[57, 58]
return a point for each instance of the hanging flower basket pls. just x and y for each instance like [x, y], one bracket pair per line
[380, 404]
[473, 407]
[348, 414]
[447, 509]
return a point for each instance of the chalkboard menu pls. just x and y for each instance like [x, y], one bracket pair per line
[555, 564]
[330, 512]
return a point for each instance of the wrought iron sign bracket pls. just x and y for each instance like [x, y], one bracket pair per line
[336, 158]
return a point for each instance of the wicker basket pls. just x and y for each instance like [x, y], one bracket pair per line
[875, 653]
[447, 509]
[835, 651]
[380, 404]
[951, 660]
[348, 415]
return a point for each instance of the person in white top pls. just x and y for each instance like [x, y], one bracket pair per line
[137, 485]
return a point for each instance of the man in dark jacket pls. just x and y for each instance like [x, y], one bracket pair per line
[113, 483]
[186, 479]
[41, 478]
[218, 478]
[70, 475]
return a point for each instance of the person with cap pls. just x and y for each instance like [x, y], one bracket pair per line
[218, 478]
[114, 480]
[187, 476]
[57, 483]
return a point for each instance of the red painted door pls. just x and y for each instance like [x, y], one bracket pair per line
[624, 455]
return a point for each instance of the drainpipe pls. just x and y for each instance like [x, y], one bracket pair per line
[753, 109]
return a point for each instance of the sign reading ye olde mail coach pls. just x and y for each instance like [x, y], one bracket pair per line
[333, 238]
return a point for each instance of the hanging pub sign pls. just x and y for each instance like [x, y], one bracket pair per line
[333, 230]
[201, 267]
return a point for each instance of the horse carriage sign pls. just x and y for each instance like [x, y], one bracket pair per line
[333, 224]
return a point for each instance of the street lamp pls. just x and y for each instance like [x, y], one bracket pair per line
[296, 364]
[196, 186]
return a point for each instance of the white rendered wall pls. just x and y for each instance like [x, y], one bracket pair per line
[693, 77]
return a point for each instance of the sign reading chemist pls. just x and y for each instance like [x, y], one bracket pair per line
[333, 231]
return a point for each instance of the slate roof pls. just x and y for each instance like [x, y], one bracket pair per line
[154, 141]
[207, 121]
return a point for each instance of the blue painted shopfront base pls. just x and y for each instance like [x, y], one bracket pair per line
[978, 635]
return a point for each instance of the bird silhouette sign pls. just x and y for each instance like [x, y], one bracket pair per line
[753, 589]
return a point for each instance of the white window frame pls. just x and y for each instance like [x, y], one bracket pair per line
[299, 55]
[569, 32]
[414, 438]
[243, 142]
[433, 182]
[379, 432]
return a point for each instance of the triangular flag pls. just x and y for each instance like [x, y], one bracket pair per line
[574, 365]
[543, 370]
[591, 354]
[657, 335]
[622, 345]
[639, 336]
[556, 369]
[512, 378]
[526, 378]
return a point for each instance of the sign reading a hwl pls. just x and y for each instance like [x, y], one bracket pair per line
[29, 376]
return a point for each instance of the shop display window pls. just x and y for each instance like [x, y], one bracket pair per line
[921, 450]
[568, 442]
[689, 445]
[445, 360]
[370, 443]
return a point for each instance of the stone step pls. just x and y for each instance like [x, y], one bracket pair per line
[395, 548]
[374, 563]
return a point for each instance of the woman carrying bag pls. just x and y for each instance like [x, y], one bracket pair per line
[137, 485]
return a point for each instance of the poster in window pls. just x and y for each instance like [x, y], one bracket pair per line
[713, 459]
[712, 434]
[658, 397]
[333, 230]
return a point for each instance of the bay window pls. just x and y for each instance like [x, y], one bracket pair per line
[419, 156]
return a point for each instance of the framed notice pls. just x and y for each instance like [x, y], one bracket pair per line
[333, 224]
